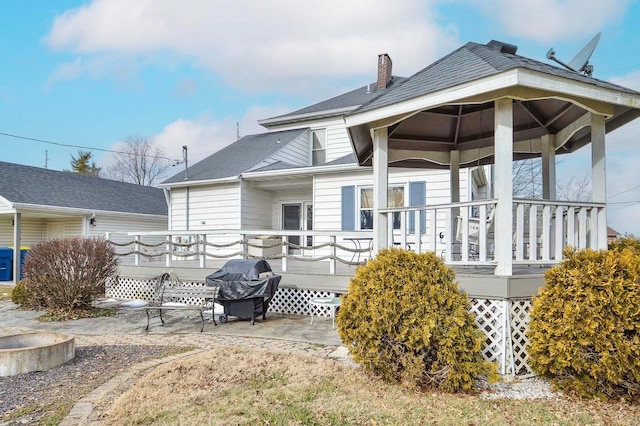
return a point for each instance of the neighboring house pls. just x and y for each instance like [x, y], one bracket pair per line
[38, 204]
[301, 175]
[612, 234]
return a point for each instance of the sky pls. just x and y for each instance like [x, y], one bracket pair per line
[89, 74]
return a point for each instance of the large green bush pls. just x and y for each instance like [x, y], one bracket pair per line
[68, 273]
[584, 324]
[405, 320]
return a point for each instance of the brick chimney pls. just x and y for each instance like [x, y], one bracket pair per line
[384, 71]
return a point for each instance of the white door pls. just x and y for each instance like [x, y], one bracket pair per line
[298, 217]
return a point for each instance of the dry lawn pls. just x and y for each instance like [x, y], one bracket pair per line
[5, 291]
[248, 387]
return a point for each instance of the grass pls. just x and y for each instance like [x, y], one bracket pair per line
[5, 291]
[245, 387]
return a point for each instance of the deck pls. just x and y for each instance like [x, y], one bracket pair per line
[477, 281]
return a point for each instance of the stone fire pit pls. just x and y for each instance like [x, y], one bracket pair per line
[24, 353]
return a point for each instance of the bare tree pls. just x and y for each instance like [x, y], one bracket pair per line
[527, 178]
[527, 183]
[139, 160]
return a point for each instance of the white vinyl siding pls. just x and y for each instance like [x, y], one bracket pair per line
[256, 208]
[217, 205]
[338, 144]
[295, 152]
[210, 207]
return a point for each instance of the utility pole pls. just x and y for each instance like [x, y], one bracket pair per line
[46, 159]
[237, 130]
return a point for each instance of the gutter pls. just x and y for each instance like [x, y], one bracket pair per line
[317, 115]
[79, 211]
[306, 171]
[198, 182]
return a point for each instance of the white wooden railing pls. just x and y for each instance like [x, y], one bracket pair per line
[194, 248]
[445, 230]
[461, 233]
[448, 228]
[554, 225]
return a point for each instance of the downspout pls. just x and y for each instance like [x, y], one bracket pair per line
[186, 211]
[17, 226]
[167, 198]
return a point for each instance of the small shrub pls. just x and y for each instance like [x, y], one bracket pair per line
[584, 324]
[405, 320]
[17, 294]
[68, 274]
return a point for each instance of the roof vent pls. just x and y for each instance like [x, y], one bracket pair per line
[502, 47]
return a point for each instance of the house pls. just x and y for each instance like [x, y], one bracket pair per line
[402, 162]
[302, 175]
[38, 204]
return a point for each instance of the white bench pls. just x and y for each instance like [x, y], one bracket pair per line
[172, 297]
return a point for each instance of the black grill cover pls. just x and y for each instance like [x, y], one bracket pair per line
[240, 279]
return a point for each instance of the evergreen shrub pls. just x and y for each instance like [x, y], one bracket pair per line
[584, 324]
[68, 274]
[404, 319]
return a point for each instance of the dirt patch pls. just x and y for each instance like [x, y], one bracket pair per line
[47, 396]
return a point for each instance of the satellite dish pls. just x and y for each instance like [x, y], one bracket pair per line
[580, 62]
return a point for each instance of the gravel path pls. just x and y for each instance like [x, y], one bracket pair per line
[36, 395]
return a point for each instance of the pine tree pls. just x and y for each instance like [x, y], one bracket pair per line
[83, 164]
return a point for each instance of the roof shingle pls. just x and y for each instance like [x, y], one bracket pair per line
[43, 187]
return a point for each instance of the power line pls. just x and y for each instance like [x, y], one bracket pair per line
[74, 146]
[626, 190]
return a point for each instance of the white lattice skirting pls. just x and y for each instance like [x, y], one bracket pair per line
[503, 322]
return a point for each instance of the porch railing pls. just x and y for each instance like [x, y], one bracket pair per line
[174, 248]
[463, 233]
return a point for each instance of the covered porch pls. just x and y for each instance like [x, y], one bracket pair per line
[453, 116]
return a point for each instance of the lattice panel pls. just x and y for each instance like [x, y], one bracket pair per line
[490, 319]
[511, 356]
[285, 301]
[129, 289]
[296, 301]
[520, 310]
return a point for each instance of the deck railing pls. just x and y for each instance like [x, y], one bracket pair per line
[461, 233]
[175, 248]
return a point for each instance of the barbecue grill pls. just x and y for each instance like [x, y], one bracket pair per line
[246, 288]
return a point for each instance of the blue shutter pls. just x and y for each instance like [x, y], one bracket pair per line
[348, 208]
[417, 197]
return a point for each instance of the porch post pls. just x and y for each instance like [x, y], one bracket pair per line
[454, 189]
[380, 188]
[548, 167]
[17, 226]
[599, 178]
[454, 157]
[503, 145]
[549, 193]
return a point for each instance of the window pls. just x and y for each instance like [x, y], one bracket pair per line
[395, 198]
[318, 147]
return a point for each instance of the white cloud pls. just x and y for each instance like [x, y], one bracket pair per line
[552, 20]
[206, 134]
[258, 46]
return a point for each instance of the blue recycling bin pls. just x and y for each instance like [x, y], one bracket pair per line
[24, 251]
[6, 264]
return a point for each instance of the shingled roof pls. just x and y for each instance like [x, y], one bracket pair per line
[468, 63]
[352, 99]
[238, 157]
[50, 188]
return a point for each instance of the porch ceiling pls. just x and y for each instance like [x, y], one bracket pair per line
[424, 139]
[281, 183]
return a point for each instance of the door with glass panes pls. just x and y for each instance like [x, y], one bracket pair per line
[298, 217]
